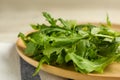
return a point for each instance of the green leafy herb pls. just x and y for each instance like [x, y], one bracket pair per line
[51, 20]
[42, 60]
[108, 20]
[87, 47]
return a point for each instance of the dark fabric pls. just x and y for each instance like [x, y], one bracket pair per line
[27, 70]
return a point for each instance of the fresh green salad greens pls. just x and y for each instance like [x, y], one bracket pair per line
[87, 47]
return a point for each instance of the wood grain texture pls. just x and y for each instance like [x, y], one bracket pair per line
[112, 72]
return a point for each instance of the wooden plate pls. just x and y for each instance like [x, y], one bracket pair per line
[112, 72]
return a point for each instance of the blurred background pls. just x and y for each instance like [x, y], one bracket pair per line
[17, 15]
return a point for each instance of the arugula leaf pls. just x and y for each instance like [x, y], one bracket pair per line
[38, 26]
[22, 35]
[51, 20]
[60, 58]
[42, 60]
[108, 21]
[64, 23]
[30, 49]
[86, 66]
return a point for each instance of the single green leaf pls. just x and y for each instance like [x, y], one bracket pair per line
[51, 20]
[38, 26]
[60, 58]
[67, 58]
[82, 63]
[30, 49]
[86, 66]
[108, 20]
[63, 22]
[42, 60]
[69, 24]
[61, 42]
[22, 36]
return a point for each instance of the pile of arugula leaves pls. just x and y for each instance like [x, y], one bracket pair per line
[89, 48]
